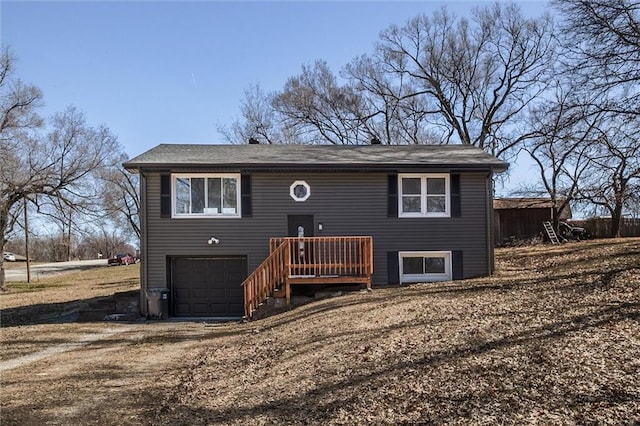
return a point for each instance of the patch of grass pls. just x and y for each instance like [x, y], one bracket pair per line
[23, 286]
[49, 298]
[97, 277]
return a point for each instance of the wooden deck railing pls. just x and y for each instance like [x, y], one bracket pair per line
[262, 282]
[308, 260]
[328, 256]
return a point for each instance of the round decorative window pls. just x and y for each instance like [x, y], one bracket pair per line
[300, 190]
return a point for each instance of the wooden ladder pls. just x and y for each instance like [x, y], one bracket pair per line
[551, 233]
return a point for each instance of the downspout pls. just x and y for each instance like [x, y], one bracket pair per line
[143, 244]
[489, 227]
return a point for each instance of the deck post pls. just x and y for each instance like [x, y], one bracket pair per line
[287, 268]
[287, 291]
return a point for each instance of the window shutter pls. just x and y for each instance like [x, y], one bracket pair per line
[392, 201]
[393, 268]
[245, 195]
[456, 209]
[457, 272]
[165, 195]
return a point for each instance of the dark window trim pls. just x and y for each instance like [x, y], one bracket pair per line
[457, 268]
[165, 195]
[456, 205]
[393, 267]
[246, 204]
[392, 199]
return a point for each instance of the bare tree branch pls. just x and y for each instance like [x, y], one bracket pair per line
[602, 39]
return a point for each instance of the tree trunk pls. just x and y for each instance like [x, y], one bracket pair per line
[68, 238]
[616, 220]
[26, 240]
[555, 216]
[3, 230]
[3, 284]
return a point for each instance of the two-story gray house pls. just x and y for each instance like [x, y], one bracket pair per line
[226, 226]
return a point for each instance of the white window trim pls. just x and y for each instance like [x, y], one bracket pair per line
[419, 278]
[423, 195]
[176, 176]
[293, 195]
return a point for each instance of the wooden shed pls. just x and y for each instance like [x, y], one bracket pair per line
[522, 218]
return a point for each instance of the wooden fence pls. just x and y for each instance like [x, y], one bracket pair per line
[601, 227]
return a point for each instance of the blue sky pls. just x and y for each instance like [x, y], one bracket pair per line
[171, 72]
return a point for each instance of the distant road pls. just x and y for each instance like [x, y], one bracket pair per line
[48, 269]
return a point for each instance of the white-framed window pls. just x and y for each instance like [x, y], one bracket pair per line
[424, 266]
[424, 195]
[300, 190]
[205, 195]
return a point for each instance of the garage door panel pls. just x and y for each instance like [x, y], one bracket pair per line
[218, 293]
[183, 293]
[201, 309]
[200, 293]
[237, 307]
[219, 308]
[218, 276]
[204, 287]
[182, 309]
[236, 292]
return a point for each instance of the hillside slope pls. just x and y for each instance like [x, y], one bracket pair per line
[553, 337]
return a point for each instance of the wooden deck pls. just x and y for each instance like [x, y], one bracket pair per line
[309, 260]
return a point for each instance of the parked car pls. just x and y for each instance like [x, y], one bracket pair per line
[9, 257]
[121, 259]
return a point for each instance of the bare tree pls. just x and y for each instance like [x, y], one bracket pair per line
[437, 79]
[602, 52]
[479, 76]
[61, 217]
[104, 239]
[318, 109]
[258, 120]
[602, 38]
[58, 165]
[386, 112]
[561, 145]
[19, 103]
[613, 180]
[120, 196]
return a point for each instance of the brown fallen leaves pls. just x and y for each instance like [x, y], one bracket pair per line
[552, 338]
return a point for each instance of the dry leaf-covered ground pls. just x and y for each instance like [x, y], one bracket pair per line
[552, 338]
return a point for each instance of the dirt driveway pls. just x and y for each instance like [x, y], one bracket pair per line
[70, 373]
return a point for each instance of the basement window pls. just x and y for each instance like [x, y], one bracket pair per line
[425, 266]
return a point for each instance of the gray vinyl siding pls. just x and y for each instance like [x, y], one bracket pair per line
[344, 203]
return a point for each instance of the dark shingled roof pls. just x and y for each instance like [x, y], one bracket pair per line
[167, 156]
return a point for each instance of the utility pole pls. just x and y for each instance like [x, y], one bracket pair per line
[26, 240]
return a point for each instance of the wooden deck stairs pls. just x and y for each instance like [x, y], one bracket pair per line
[308, 260]
[551, 233]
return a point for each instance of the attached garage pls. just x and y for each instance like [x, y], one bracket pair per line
[207, 286]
